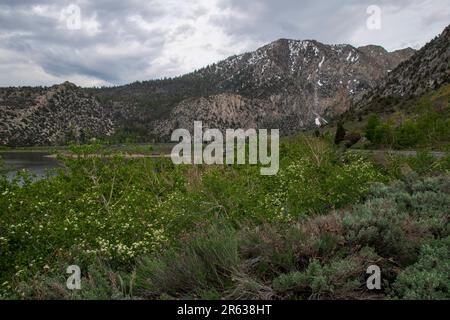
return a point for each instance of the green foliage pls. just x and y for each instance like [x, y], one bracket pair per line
[317, 189]
[324, 257]
[372, 129]
[205, 263]
[110, 207]
[337, 279]
[424, 164]
[313, 179]
[379, 133]
[408, 134]
[98, 283]
[144, 228]
[425, 125]
[316, 179]
[429, 277]
[395, 220]
[106, 209]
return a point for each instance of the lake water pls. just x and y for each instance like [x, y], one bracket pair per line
[37, 163]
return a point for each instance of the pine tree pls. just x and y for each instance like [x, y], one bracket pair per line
[340, 133]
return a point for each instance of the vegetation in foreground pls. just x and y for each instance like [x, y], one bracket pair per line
[143, 228]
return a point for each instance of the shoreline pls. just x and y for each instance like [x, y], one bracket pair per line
[126, 156]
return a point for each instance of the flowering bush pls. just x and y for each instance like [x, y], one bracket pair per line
[109, 207]
[402, 229]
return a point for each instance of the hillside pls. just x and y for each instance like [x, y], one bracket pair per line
[285, 84]
[51, 116]
[410, 108]
[427, 70]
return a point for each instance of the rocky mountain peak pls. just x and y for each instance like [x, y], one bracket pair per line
[67, 85]
[285, 84]
[426, 70]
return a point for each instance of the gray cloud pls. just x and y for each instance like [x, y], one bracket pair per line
[124, 41]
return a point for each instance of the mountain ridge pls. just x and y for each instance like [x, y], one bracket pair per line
[286, 83]
[310, 77]
[308, 89]
[428, 69]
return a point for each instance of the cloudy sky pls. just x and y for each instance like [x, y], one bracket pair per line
[100, 42]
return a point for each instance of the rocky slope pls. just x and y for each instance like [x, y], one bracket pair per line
[428, 69]
[286, 84]
[51, 116]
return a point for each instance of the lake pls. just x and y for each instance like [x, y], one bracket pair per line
[36, 163]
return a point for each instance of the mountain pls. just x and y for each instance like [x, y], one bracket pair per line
[286, 84]
[427, 70]
[51, 116]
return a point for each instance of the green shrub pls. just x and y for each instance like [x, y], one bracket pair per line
[337, 279]
[408, 135]
[316, 180]
[428, 127]
[98, 282]
[271, 251]
[106, 209]
[372, 129]
[395, 220]
[429, 277]
[204, 264]
[423, 164]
